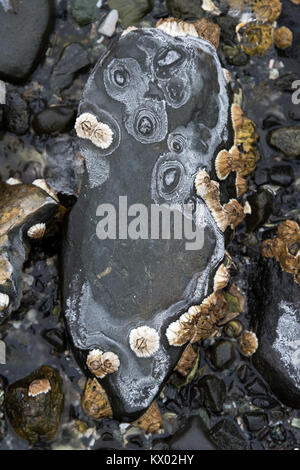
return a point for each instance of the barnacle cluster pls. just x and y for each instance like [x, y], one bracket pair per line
[248, 343]
[99, 133]
[229, 214]
[285, 248]
[102, 363]
[243, 156]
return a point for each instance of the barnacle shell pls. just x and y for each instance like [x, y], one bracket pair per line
[85, 125]
[40, 183]
[175, 27]
[95, 402]
[248, 343]
[150, 421]
[283, 38]
[267, 10]
[207, 29]
[281, 248]
[187, 361]
[222, 277]
[144, 341]
[102, 363]
[39, 386]
[257, 38]
[13, 181]
[102, 136]
[4, 301]
[231, 213]
[241, 185]
[37, 231]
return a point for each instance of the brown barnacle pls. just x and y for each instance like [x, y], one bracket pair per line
[256, 38]
[241, 185]
[283, 38]
[235, 213]
[187, 361]
[102, 363]
[85, 125]
[144, 341]
[150, 421]
[37, 231]
[222, 277]
[248, 343]
[211, 312]
[284, 248]
[175, 27]
[233, 328]
[267, 10]
[226, 162]
[208, 30]
[95, 402]
[38, 386]
[183, 330]
[236, 116]
[246, 134]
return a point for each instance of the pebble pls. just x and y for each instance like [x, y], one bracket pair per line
[108, 27]
[222, 354]
[73, 59]
[16, 114]
[54, 120]
[287, 140]
[2, 92]
[282, 175]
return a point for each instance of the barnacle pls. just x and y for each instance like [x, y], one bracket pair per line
[187, 361]
[283, 38]
[4, 301]
[248, 343]
[95, 402]
[102, 363]
[222, 277]
[266, 10]
[13, 181]
[175, 27]
[150, 421]
[37, 231]
[41, 183]
[102, 136]
[39, 386]
[207, 29]
[285, 248]
[144, 341]
[230, 214]
[256, 38]
[85, 125]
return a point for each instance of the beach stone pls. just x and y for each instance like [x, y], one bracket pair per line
[185, 9]
[130, 11]
[108, 26]
[54, 120]
[25, 29]
[16, 113]
[161, 136]
[84, 11]
[275, 306]
[73, 59]
[227, 436]
[222, 354]
[287, 140]
[191, 437]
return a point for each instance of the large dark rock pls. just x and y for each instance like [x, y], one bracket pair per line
[166, 102]
[275, 306]
[24, 30]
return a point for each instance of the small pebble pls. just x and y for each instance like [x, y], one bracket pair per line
[108, 26]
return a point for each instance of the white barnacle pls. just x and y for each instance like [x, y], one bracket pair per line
[173, 333]
[41, 183]
[102, 363]
[144, 341]
[85, 125]
[221, 278]
[37, 231]
[13, 181]
[128, 30]
[37, 387]
[4, 301]
[176, 28]
[102, 136]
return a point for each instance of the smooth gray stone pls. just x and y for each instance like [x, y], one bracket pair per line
[167, 103]
[24, 32]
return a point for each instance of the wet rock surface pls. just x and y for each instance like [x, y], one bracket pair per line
[287, 140]
[24, 31]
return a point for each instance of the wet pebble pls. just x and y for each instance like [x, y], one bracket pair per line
[215, 392]
[222, 354]
[16, 113]
[130, 11]
[287, 140]
[282, 175]
[108, 26]
[261, 203]
[185, 8]
[191, 437]
[255, 421]
[54, 120]
[84, 11]
[74, 58]
[228, 436]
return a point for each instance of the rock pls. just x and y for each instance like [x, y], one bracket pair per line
[261, 203]
[137, 139]
[24, 36]
[287, 140]
[283, 38]
[33, 412]
[274, 304]
[222, 354]
[21, 207]
[130, 11]
[255, 421]
[191, 437]
[3, 425]
[53, 120]
[235, 55]
[227, 436]
[16, 113]
[215, 392]
[282, 175]
[84, 11]
[150, 421]
[185, 9]
[108, 27]
[73, 59]
[2, 92]
[56, 338]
